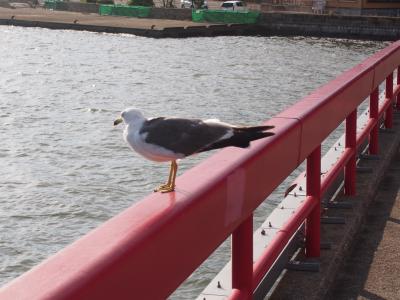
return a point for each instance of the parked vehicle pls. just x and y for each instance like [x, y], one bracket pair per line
[193, 4]
[187, 4]
[233, 5]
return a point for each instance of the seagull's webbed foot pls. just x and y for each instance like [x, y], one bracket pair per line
[164, 188]
[170, 185]
[161, 187]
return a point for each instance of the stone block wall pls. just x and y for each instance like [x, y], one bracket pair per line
[79, 7]
[171, 13]
[362, 27]
[156, 12]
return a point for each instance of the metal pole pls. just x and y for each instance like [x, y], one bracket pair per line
[313, 221]
[389, 95]
[351, 142]
[398, 82]
[373, 114]
[242, 258]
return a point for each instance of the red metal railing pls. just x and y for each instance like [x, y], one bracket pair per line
[149, 249]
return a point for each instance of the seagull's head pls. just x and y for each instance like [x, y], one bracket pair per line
[130, 115]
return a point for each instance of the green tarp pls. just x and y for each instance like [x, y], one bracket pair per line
[51, 4]
[225, 17]
[124, 10]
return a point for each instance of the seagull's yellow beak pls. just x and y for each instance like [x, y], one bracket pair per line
[117, 121]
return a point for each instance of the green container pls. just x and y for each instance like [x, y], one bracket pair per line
[106, 10]
[124, 10]
[49, 4]
[225, 17]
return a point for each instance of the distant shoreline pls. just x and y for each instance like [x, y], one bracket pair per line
[269, 24]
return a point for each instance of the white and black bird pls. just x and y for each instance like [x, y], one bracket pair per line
[169, 139]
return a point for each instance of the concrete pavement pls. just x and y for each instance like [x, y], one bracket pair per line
[372, 271]
[66, 17]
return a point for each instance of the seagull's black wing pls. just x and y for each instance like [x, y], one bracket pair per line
[241, 137]
[186, 136]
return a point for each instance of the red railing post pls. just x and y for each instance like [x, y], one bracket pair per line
[373, 114]
[389, 95]
[351, 142]
[313, 222]
[398, 83]
[242, 258]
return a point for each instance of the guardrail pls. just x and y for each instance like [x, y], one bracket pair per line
[146, 251]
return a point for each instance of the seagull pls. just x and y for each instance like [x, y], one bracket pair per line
[165, 139]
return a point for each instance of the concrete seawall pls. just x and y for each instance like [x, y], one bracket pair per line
[337, 26]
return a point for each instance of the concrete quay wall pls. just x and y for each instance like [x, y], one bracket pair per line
[167, 32]
[337, 26]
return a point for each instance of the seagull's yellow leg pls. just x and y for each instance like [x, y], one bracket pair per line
[166, 185]
[174, 166]
[170, 185]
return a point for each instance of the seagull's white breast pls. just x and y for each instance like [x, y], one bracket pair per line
[150, 151]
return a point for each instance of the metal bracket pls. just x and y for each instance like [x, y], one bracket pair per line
[364, 170]
[308, 266]
[341, 204]
[280, 264]
[333, 220]
[387, 130]
[370, 156]
[325, 246]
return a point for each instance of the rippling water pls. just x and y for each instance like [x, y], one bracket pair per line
[65, 169]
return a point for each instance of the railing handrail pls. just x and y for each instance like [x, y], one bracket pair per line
[150, 248]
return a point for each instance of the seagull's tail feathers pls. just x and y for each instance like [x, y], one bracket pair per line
[242, 136]
[253, 128]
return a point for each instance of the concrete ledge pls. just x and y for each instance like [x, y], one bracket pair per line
[92, 28]
[315, 286]
[168, 32]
